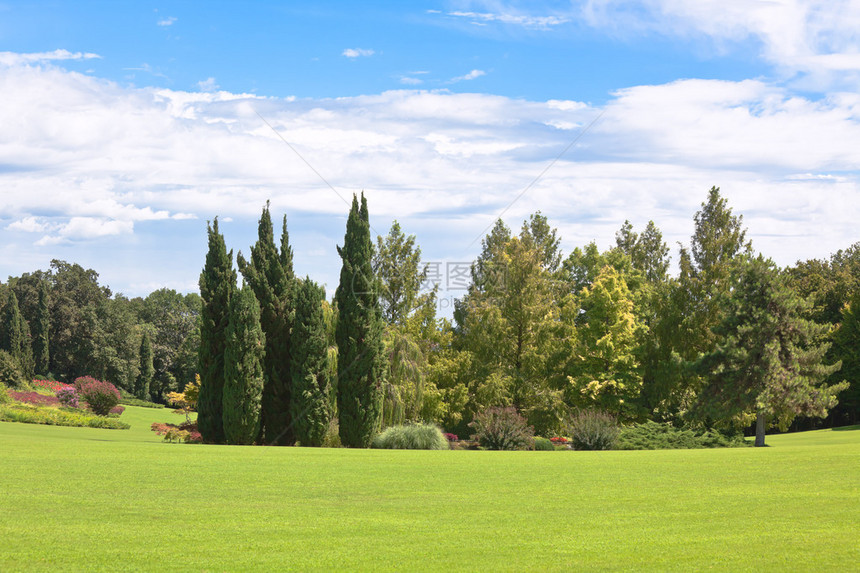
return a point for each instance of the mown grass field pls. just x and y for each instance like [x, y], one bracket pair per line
[81, 499]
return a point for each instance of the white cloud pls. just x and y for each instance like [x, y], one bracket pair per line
[511, 17]
[208, 85]
[411, 81]
[15, 59]
[95, 163]
[470, 76]
[169, 21]
[353, 53]
[29, 225]
[817, 37]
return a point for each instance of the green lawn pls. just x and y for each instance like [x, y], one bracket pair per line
[113, 500]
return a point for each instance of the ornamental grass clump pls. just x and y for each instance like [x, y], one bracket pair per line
[68, 396]
[412, 437]
[593, 430]
[101, 396]
[502, 429]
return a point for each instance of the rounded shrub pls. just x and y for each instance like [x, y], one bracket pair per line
[502, 429]
[411, 437]
[593, 430]
[99, 395]
[544, 445]
[4, 395]
[68, 396]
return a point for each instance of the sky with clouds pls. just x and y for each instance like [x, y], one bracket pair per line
[126, 127]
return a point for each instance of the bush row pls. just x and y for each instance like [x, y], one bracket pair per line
[34, 415]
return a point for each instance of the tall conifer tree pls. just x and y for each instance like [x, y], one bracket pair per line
[270, 275]
[361, 360]
[243, 369]
[310, 373]
[12, 335]
[41, 328]
[147, 368]
[217, 283]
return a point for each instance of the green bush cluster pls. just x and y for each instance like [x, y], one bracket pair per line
[593, 430]
[53, 417]
[4, 395]
[412, 437]
[544, 445]
[10, 372]
[655, 436]
[502, 429]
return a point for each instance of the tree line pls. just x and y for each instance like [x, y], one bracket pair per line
[730, 341]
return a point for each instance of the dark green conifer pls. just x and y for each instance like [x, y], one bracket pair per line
[311, 412]
[12, 335]
[270, 275]
[147, 368]
[41, 328]
[359, 330]
[243, 369]
[217, 283]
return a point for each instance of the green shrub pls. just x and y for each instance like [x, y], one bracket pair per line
[4, 395]
[593, 430]
[412, 437]
[10, 372]
[655, 436]
[544, 445]
[53, 417]
[502, 429]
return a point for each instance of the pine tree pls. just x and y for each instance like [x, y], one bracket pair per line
[243, 369]
[217, 283]
[147, 369]
[41, 328]
[769, 361]
[270, 275]
[311, 413]
[361, 363]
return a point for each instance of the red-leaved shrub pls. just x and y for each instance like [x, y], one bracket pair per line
[99, 395]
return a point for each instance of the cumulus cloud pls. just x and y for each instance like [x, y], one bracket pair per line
[208, 85]
[353, 53]
[90, 161]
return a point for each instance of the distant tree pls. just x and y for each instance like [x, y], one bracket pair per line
[361, 362]
[243, 369]
[769, 360]
[311, 412]
[270, 275]
[217, 283]
[397, 266]
[147, 370]
[41, 331]
[648, 253]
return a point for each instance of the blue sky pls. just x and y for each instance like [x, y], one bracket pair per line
[126, 126]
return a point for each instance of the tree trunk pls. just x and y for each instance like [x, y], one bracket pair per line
[759, 430]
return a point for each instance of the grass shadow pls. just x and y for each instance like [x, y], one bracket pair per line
[846, 428]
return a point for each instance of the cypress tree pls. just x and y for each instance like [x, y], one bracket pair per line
[243, 369]
[41, 327]
[270, 275]
[310, 373]
[12, 336]
[147, 368]
[359, 335]
[217, 283]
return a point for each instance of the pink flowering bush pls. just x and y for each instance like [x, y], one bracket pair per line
[68, 396]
